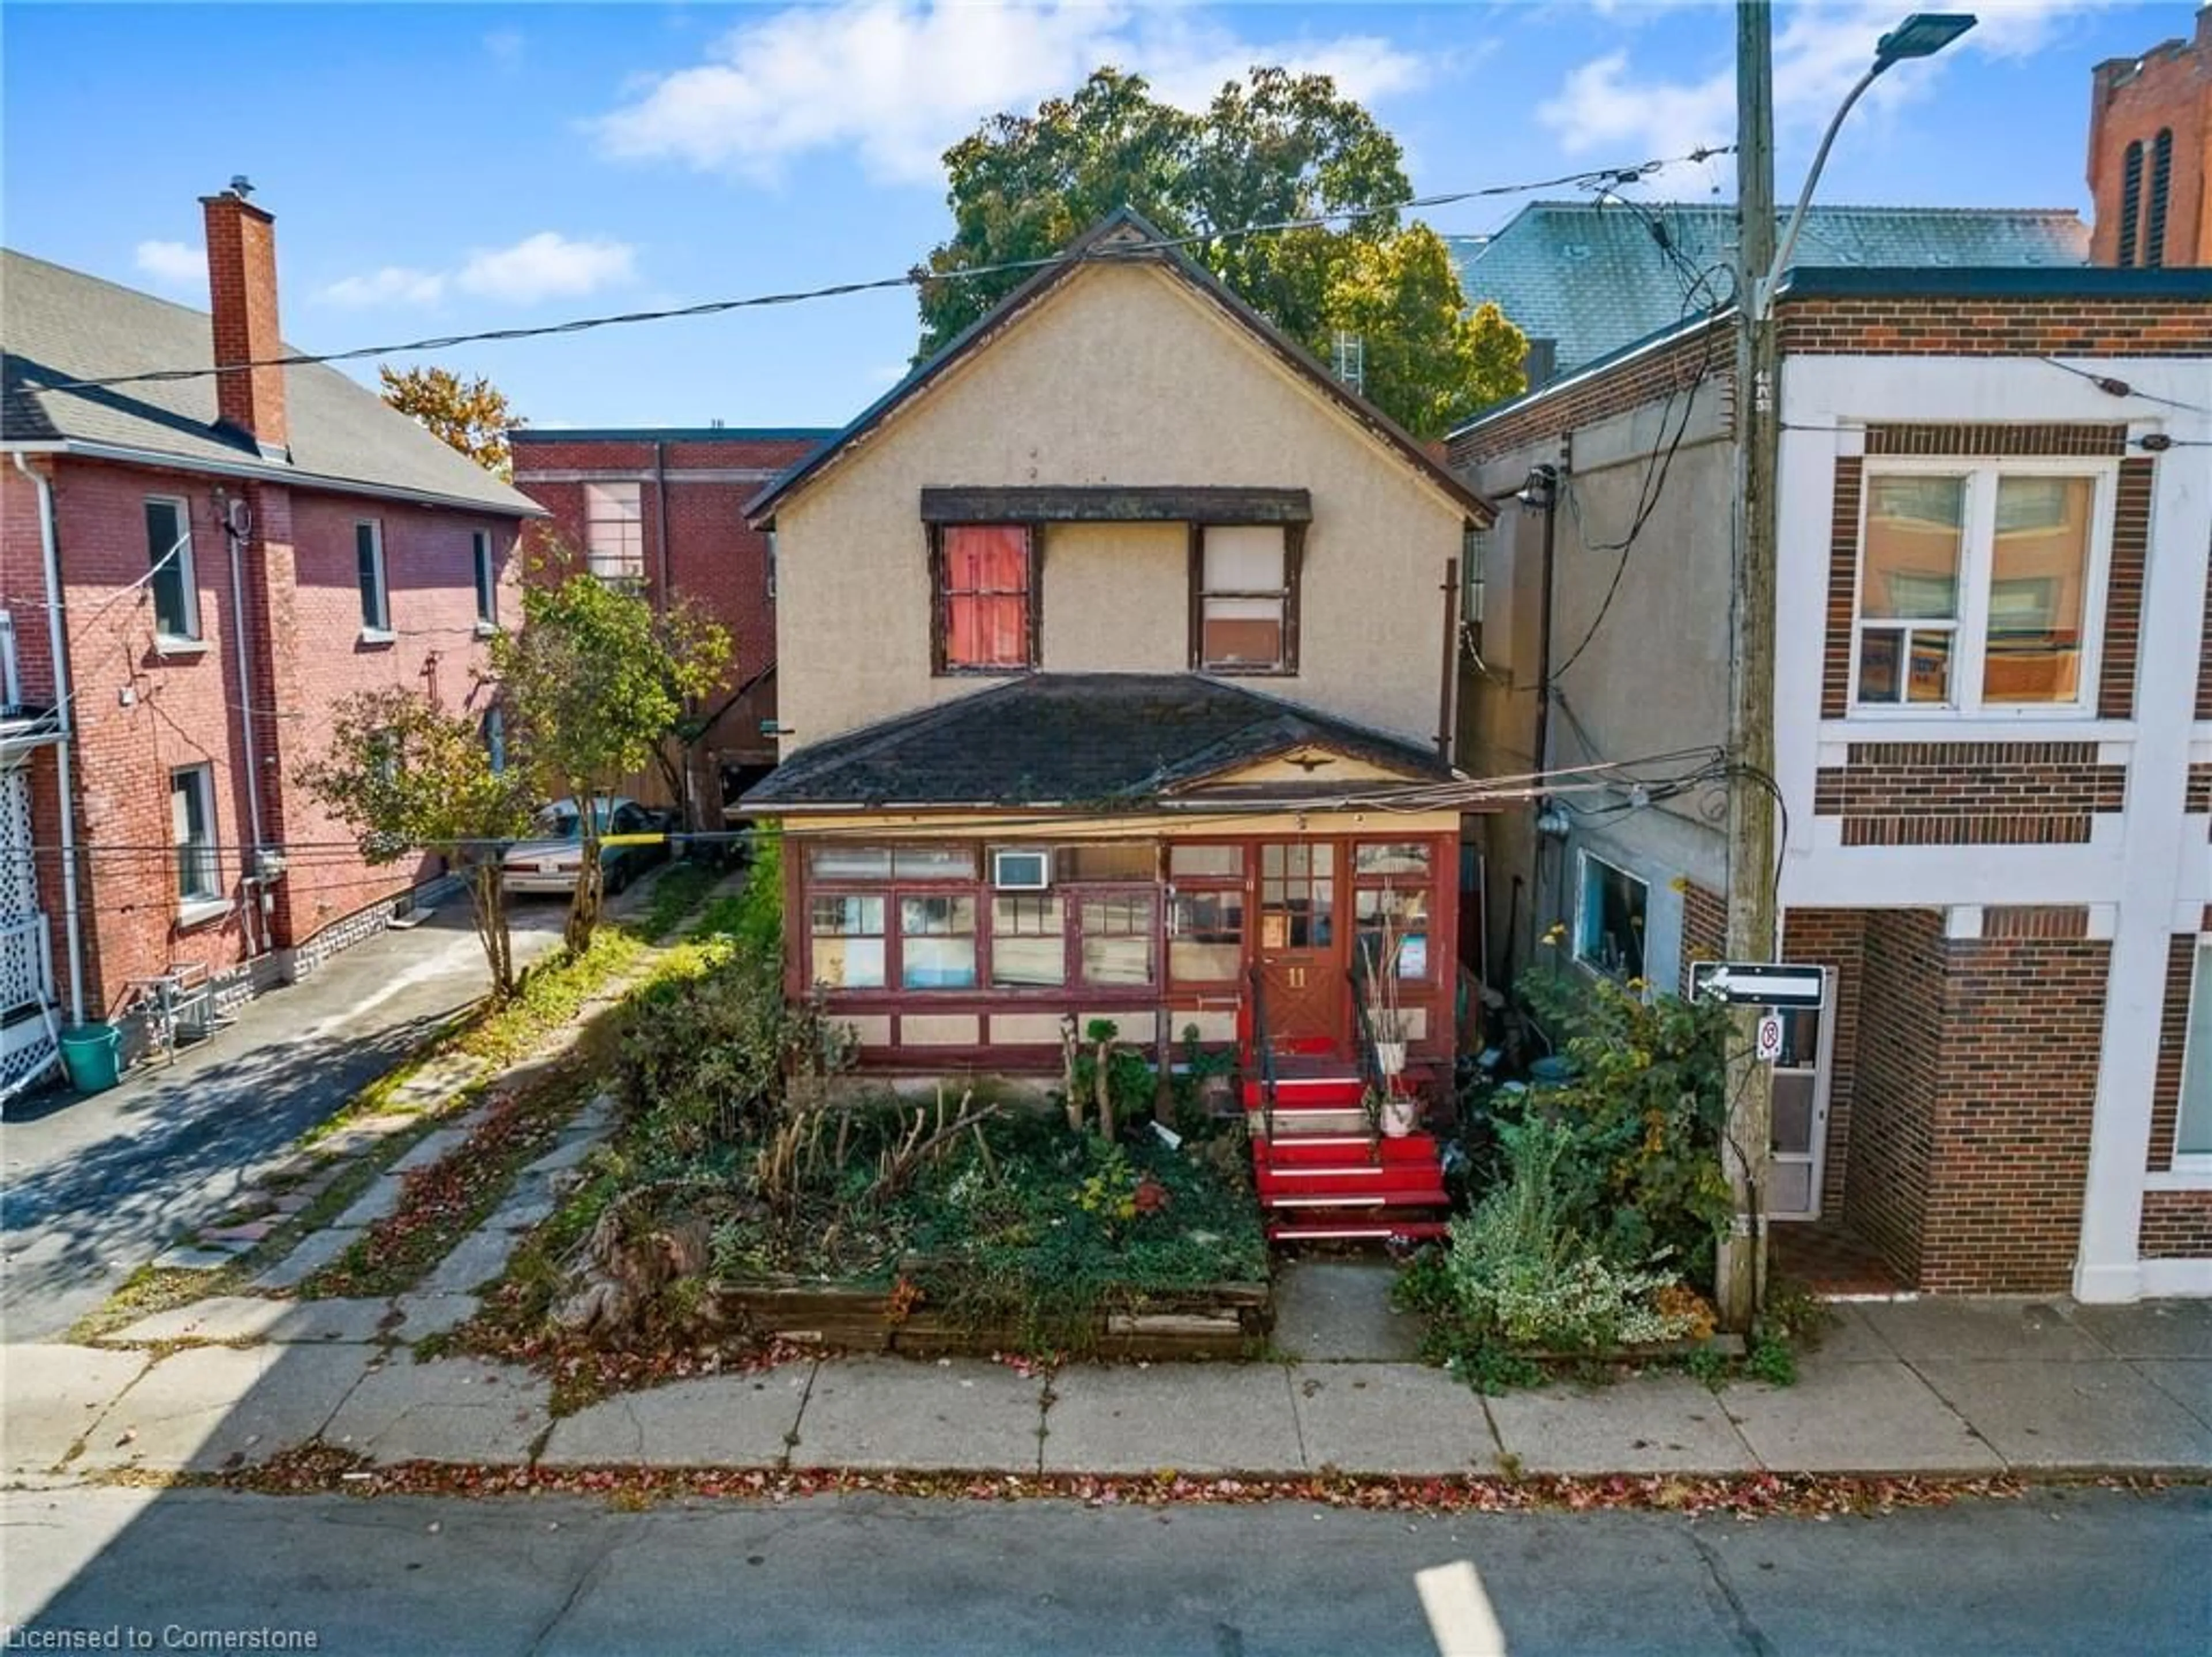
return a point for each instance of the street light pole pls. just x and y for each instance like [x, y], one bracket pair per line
[1753, 872]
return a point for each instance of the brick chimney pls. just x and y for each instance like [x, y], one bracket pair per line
[241, 250]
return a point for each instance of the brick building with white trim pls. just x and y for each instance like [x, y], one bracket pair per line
[1993, 710]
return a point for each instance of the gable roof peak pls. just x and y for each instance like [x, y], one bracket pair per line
[1124, 234]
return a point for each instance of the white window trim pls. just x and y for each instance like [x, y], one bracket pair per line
[484, 572]
[380, 629]
[1583, 859]
[1970, 631]
[2190, 1162]
[194, 639]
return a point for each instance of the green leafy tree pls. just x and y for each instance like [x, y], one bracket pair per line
[407, 777]
[594, 683]
[1274, 147]
[1428, 360]
[470, 416]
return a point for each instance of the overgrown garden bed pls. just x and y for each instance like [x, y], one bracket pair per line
[1597, 1199]
[747, 1203]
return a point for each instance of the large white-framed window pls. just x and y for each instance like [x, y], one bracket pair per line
[174, 583]
[614, 530]
[1981, 586]
[487, 579]
[192, 825]
[1611, 908]
[368, 576]
[2192, 1127]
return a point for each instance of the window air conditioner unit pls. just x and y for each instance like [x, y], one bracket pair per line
[1021, 871]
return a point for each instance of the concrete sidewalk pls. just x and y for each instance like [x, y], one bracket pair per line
[1930, 1387]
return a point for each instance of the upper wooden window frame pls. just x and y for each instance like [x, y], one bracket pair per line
[1294, 550]
[940, 601]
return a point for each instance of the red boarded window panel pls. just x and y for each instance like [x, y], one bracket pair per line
[986, 570]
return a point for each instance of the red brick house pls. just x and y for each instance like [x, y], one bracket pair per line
[193, 571]
[663, 507]
[1993, 738]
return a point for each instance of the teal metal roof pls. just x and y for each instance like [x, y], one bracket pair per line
[1592, 276]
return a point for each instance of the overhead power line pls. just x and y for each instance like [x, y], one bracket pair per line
[1594, 178]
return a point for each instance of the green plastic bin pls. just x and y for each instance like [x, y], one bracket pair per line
[91, 1053]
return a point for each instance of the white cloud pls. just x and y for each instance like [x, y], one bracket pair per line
[177, 264]
[897, 81]
[1821, 48]
[395, 284]
[547, 265]
[504, 46]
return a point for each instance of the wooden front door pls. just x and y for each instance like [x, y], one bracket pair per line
[1300, 960]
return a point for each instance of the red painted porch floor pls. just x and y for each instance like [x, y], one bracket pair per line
[1829, 1260]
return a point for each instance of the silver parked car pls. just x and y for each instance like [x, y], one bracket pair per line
[547, 862]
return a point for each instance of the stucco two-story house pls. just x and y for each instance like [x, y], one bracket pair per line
[1993, 739]
[1113, 653]
[193, 571]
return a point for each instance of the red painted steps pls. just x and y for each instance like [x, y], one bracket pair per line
[1322, 1171]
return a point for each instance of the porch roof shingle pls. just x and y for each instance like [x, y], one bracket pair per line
[1060, 740]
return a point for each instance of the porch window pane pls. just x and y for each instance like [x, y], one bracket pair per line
[848, 941]
[1137, 861]
[1029, 942]
[1117, 939]
[1206, 940]
[1407, 858]
[1243, 632]
[841, 862]
[2038, 577]
[933, 862]
[937, 943]
[1205, 863]
[1407, 912]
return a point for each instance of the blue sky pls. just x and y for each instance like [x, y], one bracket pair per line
[445, 169]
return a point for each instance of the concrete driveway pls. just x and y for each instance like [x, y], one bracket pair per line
[91, 1189]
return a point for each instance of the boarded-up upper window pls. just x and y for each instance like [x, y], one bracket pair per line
[985, 604]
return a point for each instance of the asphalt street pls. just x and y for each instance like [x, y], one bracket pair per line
[2058, 1571]
[93, 1188]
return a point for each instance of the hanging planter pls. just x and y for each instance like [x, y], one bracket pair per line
[1401, 1115]
[1390, 1058]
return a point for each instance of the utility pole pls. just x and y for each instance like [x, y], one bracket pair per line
[1751, 857]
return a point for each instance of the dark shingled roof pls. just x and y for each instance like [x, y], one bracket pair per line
[59, 324]
[1071, 739]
